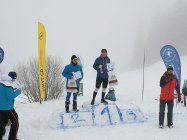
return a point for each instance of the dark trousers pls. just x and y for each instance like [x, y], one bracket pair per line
[68, 100]
[170, 105]
[68, 96]
[99, 81]
[13, 117]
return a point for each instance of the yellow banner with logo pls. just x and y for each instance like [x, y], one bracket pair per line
[42, 59]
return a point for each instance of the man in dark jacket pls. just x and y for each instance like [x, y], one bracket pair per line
[7, 112]
[100, 65]
[168, 84]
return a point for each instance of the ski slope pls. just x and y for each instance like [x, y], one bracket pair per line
[39, 122]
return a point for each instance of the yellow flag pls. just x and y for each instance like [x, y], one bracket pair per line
[42, 59]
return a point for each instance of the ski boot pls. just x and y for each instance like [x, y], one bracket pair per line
[170, 125]
[103, 98]
[67, 107]
[92, 102]
[104, 101]
[75, 106]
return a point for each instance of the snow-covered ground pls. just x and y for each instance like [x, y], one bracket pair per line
[38, 122]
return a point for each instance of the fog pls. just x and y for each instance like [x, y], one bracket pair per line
[84, 27]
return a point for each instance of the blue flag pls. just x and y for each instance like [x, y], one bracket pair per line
[1, 55]
[171, 57]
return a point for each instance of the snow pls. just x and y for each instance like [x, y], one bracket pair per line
[39, 121]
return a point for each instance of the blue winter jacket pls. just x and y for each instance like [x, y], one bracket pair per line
[7, 96]
[67, 72]
[101, 61]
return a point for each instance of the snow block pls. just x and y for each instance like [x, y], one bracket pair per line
[101, 115]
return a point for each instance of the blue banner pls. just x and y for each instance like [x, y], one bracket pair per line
[171, 57]
[1, 55]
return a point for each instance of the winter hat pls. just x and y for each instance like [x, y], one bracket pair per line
[5, 77]
[169, 68]
[12, 74]
[103, 50]
[73, 57]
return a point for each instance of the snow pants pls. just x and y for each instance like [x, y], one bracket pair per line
[162, 107]
[13, 117]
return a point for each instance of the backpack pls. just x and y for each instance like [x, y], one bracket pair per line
[111, 94]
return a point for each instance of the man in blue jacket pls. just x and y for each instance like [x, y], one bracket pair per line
[68, 73]
[100, 65]
[7, 111]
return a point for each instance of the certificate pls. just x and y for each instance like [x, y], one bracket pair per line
[77, 75]
[110, 66]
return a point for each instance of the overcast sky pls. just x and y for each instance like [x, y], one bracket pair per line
[84, 27]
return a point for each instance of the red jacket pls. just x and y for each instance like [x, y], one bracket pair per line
[168, 88]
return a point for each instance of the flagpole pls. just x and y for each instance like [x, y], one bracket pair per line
[143, 82]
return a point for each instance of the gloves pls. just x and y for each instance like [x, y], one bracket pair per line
[19, 87]
[78, 80]
[179, 98]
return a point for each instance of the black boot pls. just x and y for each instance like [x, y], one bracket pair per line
[67, 107]
[170, 125]
[169, 119]
[3, 133]
[75, 106]
[93, 100]
[162, 112]
[103, 98]
[170, 105]
[160, 125]
[161, 118]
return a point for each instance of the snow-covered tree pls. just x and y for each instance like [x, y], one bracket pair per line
[28, 78]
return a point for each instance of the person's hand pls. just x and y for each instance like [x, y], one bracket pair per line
[100, 67]
[168, 80]
[179, 98]
[19, 87]
[73, 78]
